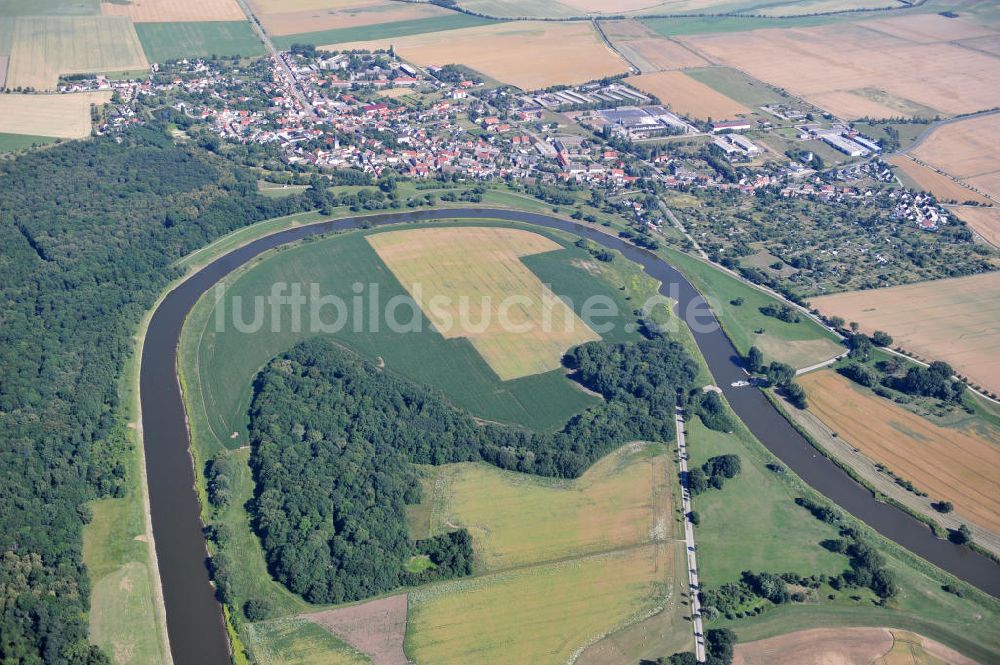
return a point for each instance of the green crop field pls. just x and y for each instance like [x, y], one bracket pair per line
[382, 30]
[198, 39]
[738, 86]
[228, 361]
[15, 142]
[294, 641]
[50, 8]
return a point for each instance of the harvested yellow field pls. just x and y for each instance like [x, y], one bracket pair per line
[687, 96]
[616, 7]
[967, 150]
[812, 62]
[45, 47]
[539, 615]
[928, 28]
[471, 283]
[527, 54]
[149, 11]
[353, 16]
[941, 186]
[949, 464]
[955, 320]
[984, 221]
[515, 520]
[647, 50]
[848, 104]
[63, 116]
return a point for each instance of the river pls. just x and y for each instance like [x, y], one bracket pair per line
[194, 617]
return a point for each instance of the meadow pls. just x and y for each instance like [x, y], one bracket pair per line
[549, 53]
[737, 86]
[60, 116]
[517, 520]
[688, 96]
[954, 320]
[45, 47]
[541, 614]
[199, 39]
[951, 464]
[298, 641]
[482, 267]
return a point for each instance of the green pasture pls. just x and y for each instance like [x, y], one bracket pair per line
[197, 39]
[382, 30]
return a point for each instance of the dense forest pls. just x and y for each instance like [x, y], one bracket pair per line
[333, 438]
[89, 230]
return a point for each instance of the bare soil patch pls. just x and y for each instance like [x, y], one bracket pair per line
[687, 96]
[375, 628]
[821, 646]
[148, 11]
[527, 54]
[950, 464]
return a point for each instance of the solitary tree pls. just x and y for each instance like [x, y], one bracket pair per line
[755, 359]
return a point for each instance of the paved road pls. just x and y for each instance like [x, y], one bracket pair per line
[692, 555]
[286, 71]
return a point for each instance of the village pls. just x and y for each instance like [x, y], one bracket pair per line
[377, 114]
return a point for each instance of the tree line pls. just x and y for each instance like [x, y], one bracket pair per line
[334, 436]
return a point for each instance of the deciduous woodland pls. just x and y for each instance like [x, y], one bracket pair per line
[89, 232]
[334, 438]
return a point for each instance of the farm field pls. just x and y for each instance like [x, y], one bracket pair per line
[60, 116]
[516, 520]
[285, 22]
[50, 7]
[15, 142]
[948, 463]
[144, 11]
[737, 86]
[954, 320]
[376, 628]
[844, 67]
[45, 47]
[384, 31]
[879, 646]
[549, 53]
[984, 221]
[966, 150]
[646, 49]
[687, 96]
[929, 180]
[541, 614]
[567, 8]
[198, 39]
[297, 641]
[481, 268]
